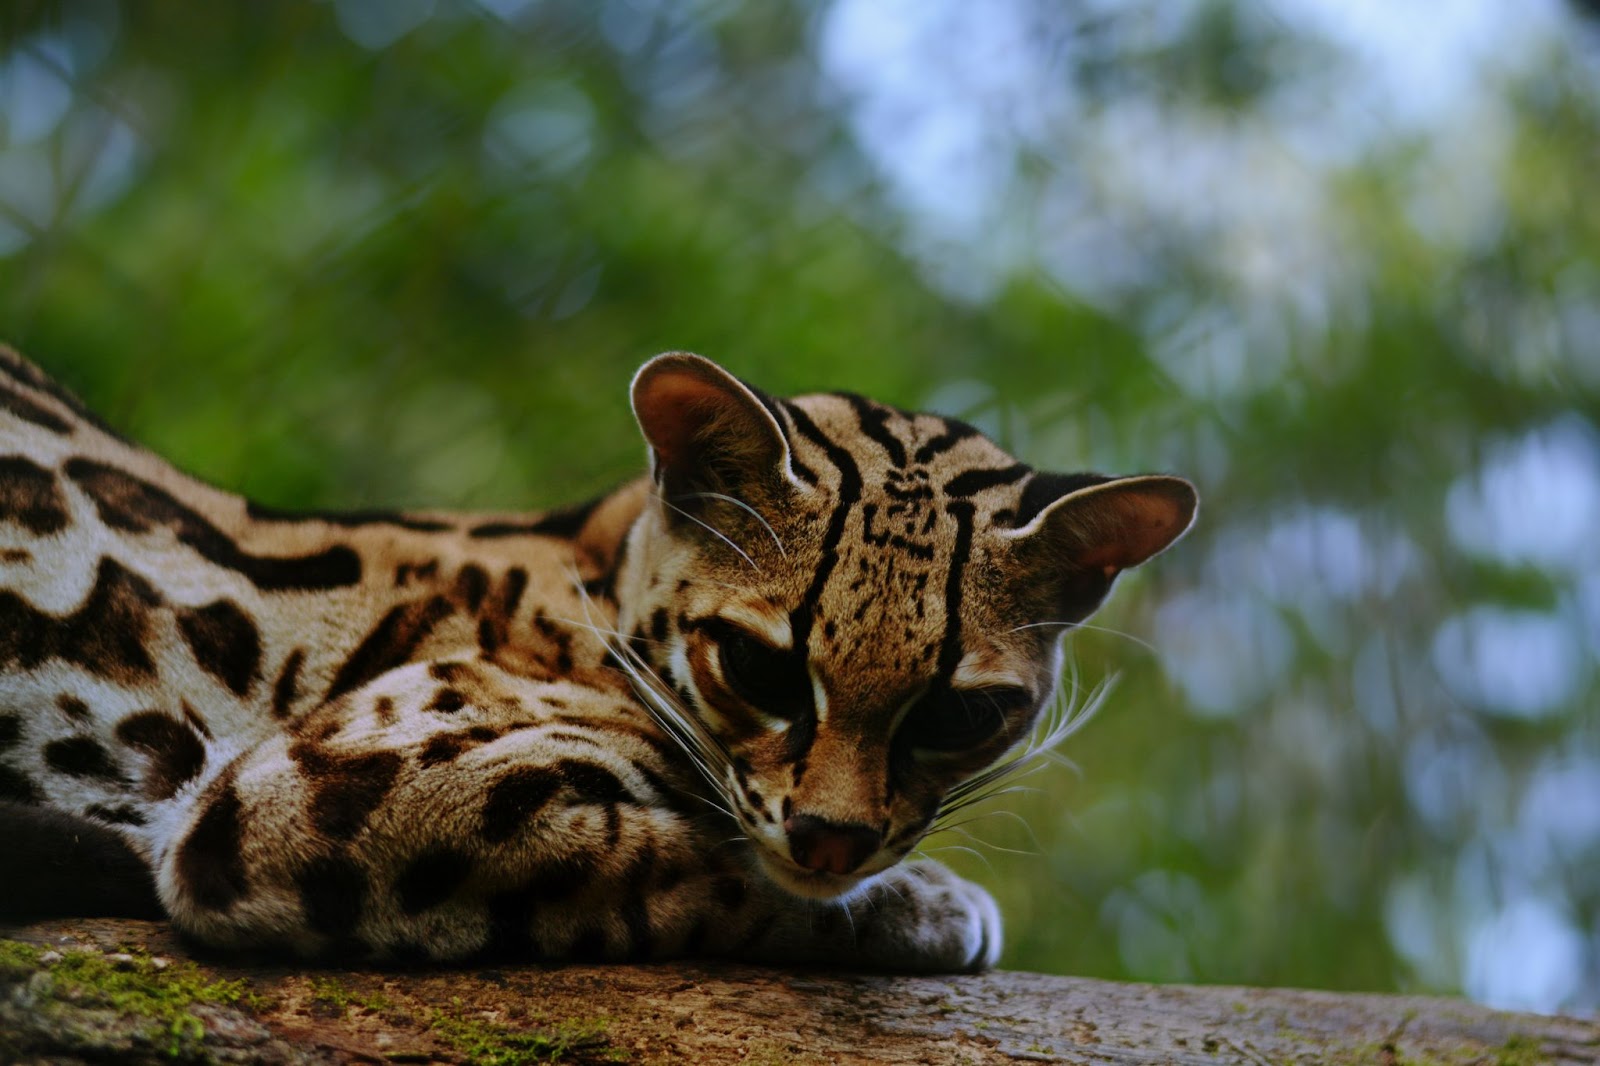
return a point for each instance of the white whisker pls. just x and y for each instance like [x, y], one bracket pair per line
[1067, 713]
[745, 506]
[702, 748]
[974, 852]
[850, 918]
[1145, 644]
[714, 531]
[1012, 790]
[958, 828]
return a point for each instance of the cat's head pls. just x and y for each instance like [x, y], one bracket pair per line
[855, 609]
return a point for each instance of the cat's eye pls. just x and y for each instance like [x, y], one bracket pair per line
[771, 679]
[952, 720]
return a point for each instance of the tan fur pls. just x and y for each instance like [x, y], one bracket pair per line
[442, 735]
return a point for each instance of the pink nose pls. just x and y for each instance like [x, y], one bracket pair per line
[830, 847]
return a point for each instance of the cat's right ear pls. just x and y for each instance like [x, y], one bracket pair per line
[708, 431]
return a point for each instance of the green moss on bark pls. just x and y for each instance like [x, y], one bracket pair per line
[159, 991]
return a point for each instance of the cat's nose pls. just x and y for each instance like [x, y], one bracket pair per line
[830, 847]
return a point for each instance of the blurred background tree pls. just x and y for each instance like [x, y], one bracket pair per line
[1337, 261]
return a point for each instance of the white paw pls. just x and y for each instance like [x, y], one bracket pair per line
[942, 922]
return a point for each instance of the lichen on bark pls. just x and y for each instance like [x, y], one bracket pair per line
[114, 991]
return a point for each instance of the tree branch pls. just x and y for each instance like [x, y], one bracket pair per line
[98, 991]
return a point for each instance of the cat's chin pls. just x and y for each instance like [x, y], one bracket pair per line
[809, 884]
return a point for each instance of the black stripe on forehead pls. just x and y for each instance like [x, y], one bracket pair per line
[973, 481]
[874, 419]
[950, 650]
[800, 619]
[955, 432]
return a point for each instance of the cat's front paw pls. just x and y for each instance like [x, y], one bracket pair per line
[939, 922]
[915, 918]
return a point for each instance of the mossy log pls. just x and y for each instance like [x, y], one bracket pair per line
[127, 992]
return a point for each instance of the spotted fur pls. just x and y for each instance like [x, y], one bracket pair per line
[709, 713]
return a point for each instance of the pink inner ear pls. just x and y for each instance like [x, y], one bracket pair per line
[1131, 527]
[672, 411]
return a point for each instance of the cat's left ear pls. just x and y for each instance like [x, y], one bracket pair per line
[1105, 528]
[708, 431]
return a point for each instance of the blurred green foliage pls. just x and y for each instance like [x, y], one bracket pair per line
[408, 253]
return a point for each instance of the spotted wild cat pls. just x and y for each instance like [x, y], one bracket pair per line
[709, 713]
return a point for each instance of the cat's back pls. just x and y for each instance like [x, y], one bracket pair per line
[146, 616]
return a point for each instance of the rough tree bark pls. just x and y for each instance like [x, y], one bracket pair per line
[127, 992]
